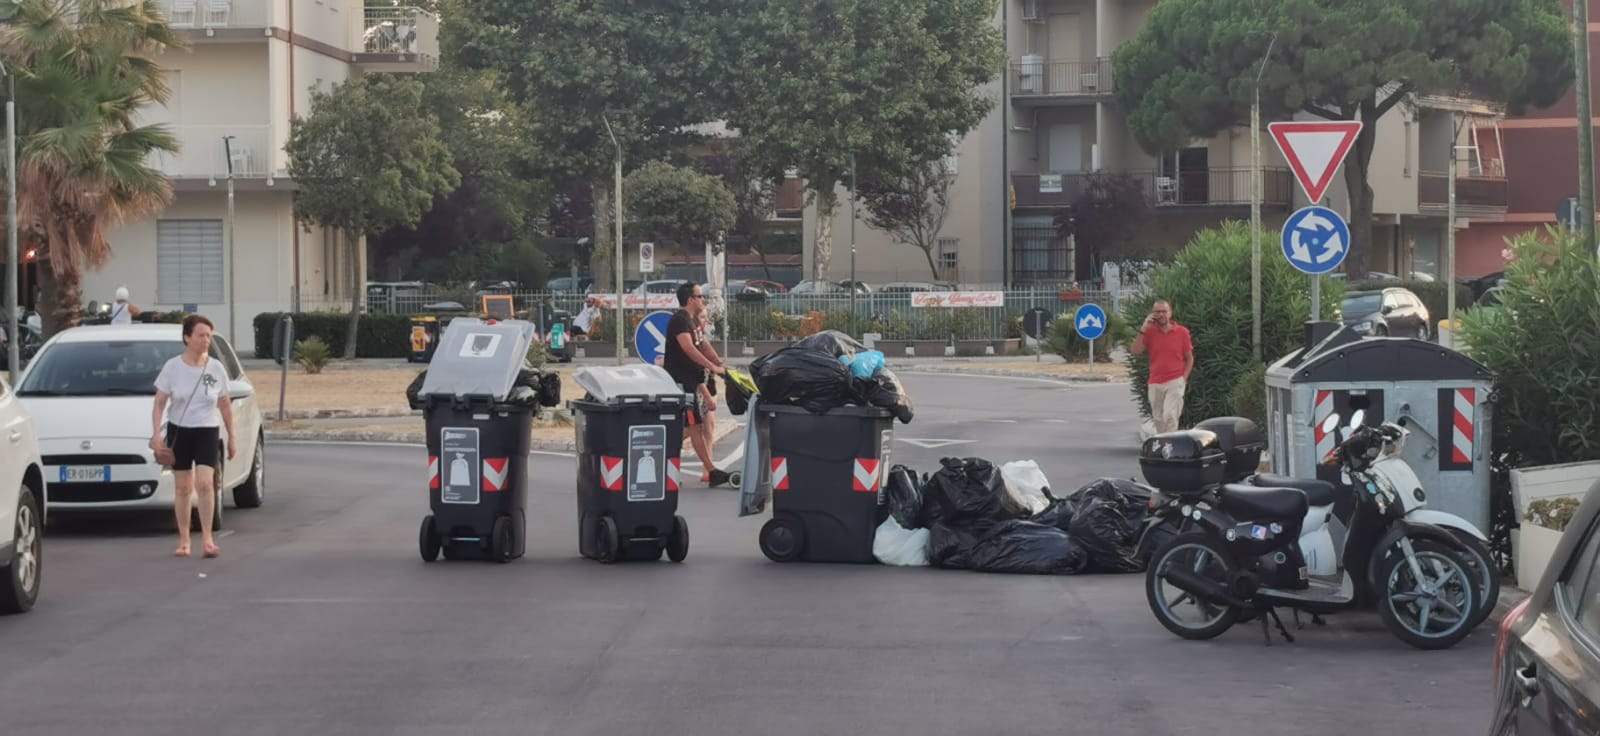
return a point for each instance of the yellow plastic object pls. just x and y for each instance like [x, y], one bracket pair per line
[743, 380]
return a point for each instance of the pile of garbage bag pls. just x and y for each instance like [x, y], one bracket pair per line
[972, 515]
[533, 387]
[826, 371]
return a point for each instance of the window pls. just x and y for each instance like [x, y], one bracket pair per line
[948, 252]
[222, 351]
[1581, 584]
[189, 261]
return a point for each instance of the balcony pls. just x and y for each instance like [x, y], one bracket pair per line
[206, 17]
[398, 40]
[203, 155]
[1475, 195]
[1035, 81]
[1217, 187]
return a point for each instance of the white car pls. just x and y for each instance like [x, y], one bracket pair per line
[22, 506]
[91, 390]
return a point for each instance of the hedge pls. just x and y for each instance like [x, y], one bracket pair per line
[377, 335]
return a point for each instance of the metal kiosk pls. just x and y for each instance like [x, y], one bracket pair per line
[629, 438]
[478, 441]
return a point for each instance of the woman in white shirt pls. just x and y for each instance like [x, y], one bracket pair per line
[196, 388]
[123, 312]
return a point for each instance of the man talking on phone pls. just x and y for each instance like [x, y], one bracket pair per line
[1171, 362]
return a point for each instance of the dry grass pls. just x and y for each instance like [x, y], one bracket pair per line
[1053, 366]
[353, 389]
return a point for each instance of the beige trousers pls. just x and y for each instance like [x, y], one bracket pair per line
[1166, 404]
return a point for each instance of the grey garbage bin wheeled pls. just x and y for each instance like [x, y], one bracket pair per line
[629, 439]
[827, 474]
[477, 403]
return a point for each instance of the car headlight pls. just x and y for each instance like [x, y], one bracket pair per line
[1362, 326]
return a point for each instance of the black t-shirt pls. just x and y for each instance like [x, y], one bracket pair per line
[679, 365]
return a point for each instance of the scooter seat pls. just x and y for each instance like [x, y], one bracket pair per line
[1318, 492]
[1249, 503]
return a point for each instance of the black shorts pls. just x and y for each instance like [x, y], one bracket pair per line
[696, 415]
[192, 446]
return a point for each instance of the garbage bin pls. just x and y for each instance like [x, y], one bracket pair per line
[629, 437]
[478, 431]
[424, 339]
[827, 474]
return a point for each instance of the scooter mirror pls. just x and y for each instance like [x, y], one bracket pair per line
[1358, 419]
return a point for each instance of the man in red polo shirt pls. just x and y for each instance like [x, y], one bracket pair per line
[1171, 361]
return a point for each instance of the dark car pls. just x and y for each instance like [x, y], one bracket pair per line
[1547, 658]
[1385, 312]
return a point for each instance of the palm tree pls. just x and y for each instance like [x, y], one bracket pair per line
[83, 70]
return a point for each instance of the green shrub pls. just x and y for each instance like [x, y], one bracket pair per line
[377, 335]
[312, 354]
[1249, 397]
[1432, 294]
[1064, 340]
[1208, 285]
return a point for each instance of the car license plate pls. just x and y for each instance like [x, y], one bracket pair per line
[85, 473]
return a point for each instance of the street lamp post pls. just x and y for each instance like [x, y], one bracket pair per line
[617, 216]
[227, 152]
[1255, 206]
[13, 264]
[853, 197]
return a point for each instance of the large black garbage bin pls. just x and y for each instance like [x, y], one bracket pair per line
[424, 339]
[827, 473]
[479, 422]
[629, 438]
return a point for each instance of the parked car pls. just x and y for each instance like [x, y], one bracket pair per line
[91, 390]
[658, 286]
[913, 287]
[1547, 658]
[22, 506]
[569, 285]
[31, 340]
[1385, 312]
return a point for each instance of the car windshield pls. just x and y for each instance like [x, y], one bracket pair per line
[117, 368]
[1361, 305]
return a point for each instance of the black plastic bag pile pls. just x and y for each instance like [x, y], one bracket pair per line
[829, 370]
[533, 387]
[972, 527]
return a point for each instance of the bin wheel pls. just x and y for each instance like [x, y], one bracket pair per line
[782, 539]
[610, 539]
[735, 479]
[428, 540]
[678, 540]
[502, 540]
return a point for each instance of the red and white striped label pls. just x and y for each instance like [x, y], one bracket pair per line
[780, 474]
[1462, 426]
[865, 476]
[433, 472]
[1319, 415]
[673, 473]
[611, 473]
[495, 472]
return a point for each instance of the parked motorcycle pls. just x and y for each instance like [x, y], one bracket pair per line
[1250, 549]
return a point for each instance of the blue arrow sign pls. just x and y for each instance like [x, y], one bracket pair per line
[1090, 321]
[1315, 239]
[650, 340]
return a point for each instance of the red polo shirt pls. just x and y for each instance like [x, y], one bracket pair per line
[1166, 352]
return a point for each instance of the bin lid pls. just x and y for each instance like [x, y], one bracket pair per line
[608, 383]
[478, 358]
[1346, 357]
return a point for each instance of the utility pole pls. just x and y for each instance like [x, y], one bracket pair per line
[853, 197]
[1449, 275]
[1580, 30]
[1255, 207]
[617, 216]
[227, 152]
[13, 264]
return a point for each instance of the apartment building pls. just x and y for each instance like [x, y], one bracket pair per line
[1055, 123]
[249, 71]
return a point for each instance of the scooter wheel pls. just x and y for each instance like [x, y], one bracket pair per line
[1183, 554]
[736, 479]
[428, 540]
[1419, 618]
[1480, 562]
[610, 540]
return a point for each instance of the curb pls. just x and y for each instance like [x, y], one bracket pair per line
[1017, 374]
[1510, 597]
[373, 412]
[418, 438]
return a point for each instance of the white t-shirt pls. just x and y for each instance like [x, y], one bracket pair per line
[121, 314]
[181, 381]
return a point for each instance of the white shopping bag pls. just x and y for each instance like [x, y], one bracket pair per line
[1028, 489]
[893, 544]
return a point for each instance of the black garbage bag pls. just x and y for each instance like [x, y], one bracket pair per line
[884, 390]
[832, 342]
[813, 380]
[1011, 546]
[415, 388]
[966, 490]
[1058, 514]
[1107, 521]
[904, 494]
[550, 390]
[544, 389]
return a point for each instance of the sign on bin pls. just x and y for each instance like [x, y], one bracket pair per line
[647, 463]
[650, 340]
[458, 460]
[480, 345]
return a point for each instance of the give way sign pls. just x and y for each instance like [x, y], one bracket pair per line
[1314, 150]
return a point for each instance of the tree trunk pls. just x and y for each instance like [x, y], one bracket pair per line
[600, 265]
[1359, 189]
[355, 296]
[822, 254]
[932, 268]
[62, 306]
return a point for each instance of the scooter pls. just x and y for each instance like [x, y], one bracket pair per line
[1244, 548]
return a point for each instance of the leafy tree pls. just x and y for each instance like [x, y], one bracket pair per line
[754, 197]
[1105, 214]
[367, 158]
[912, 208]
[680, 204]
[83, 69]
[887, 80]
[648, 69]
[1191, 71]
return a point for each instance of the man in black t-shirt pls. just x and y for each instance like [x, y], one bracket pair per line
[689, 356]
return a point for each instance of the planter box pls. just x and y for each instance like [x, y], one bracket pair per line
[1551, 481]
[1532, 548]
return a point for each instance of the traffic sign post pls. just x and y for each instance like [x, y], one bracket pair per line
[647, 257]
[1036, 324]
[1090, 322]
[1315, 239]
[650, 340]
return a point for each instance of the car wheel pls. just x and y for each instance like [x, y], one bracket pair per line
[1380, 331]
[19, 581]
[252, 491]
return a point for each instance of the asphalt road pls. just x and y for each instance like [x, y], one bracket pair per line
[320, 618]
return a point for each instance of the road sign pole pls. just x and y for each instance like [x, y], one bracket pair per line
[1316, 297]
[1091, 353]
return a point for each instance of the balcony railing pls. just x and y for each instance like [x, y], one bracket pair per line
[1206, 187]
[200, 14]
[1433, 188]
[399, 32]
[1035, 77]
[204, 156]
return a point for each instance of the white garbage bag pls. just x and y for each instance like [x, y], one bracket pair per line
[893, 544]
[1028, 489]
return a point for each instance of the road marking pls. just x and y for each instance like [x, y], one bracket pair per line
[999, 421]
